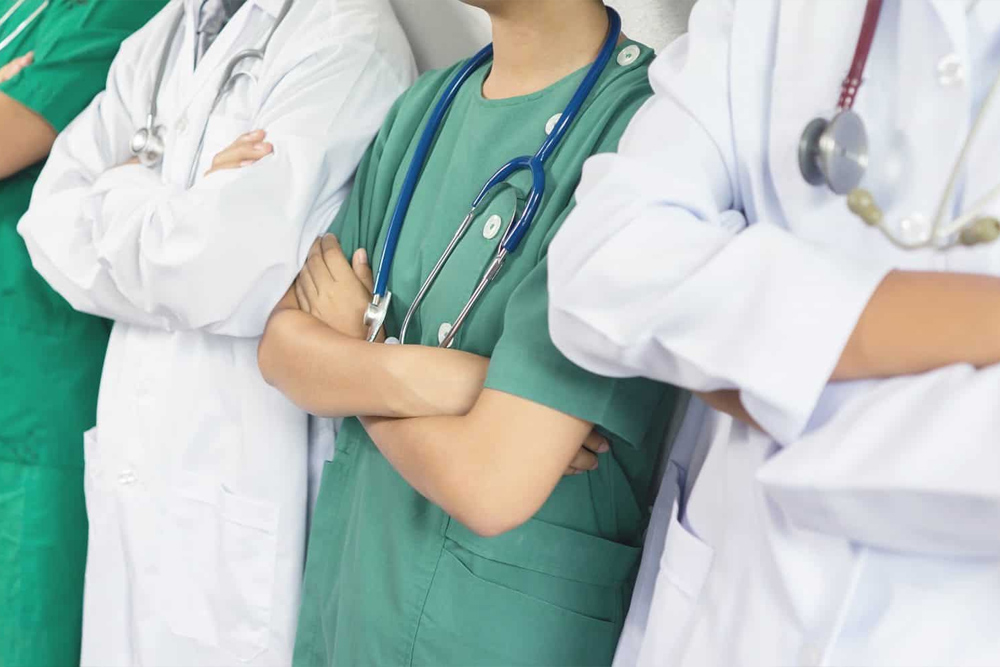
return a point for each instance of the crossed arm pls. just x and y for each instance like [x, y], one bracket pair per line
[460, 445]
[25, 136]
[915, 322]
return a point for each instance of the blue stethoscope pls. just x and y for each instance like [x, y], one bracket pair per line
[378, 308]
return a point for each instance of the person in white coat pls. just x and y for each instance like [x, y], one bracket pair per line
[196, 472]
[852, 515]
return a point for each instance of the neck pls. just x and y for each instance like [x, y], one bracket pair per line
[539, 42]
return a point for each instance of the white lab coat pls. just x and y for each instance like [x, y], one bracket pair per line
[867, 530]
[196, 475]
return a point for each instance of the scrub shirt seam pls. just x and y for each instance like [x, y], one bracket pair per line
[423, 605]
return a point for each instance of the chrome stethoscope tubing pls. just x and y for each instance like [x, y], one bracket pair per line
[5, 42]
[229, 79]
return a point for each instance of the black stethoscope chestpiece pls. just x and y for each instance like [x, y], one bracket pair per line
[835, 152]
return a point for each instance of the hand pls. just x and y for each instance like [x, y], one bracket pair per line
[586, 459]
[335, 291]
[14, 67]
[243, 152]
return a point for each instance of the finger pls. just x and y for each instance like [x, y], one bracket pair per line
[362, 269]
[241, 152]
[318, 271]
[584, 459]
[253, 136]
[308, 285]
[335, 260]
[570, 472]
[316, 248]
[596, 443]
[300, 296]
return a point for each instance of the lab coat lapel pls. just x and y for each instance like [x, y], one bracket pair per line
[813, 55]
[215, 60]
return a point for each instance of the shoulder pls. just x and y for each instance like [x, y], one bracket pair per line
[622, 90]
[345, 30]
[626, 79]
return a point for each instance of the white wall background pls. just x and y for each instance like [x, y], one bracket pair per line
[444, 31]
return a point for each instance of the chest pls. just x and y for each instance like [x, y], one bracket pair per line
[462, 162]
[931, 65]
[202, 109]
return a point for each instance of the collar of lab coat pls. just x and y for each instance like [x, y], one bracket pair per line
[271, 7]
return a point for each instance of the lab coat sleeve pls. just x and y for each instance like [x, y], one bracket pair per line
[909, 464]
[118, 242]
[654, 274]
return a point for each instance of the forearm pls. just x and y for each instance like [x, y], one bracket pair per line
[916, 322]
[25, 137]
[331, 375]
[471, 475]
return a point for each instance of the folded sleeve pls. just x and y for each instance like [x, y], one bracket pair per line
[118, 242]
[657, 273]
[525, 363]
[908, 464]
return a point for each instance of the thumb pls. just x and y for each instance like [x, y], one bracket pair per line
[362, 269]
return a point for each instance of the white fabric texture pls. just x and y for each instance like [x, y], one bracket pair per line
[864, 531]
[196, 475]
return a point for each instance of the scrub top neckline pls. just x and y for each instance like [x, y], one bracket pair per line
[574, 78]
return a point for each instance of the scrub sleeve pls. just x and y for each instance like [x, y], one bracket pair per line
[52, 356]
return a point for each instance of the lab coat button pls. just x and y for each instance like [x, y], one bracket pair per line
[628, 55]
[182, 124]
[492, 226]
[443, 331]
[126, 478]
[551, 124]
[950, 71]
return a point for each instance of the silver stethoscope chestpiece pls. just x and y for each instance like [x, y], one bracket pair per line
[834, 153]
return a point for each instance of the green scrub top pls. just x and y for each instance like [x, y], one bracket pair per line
[51, 356]
[390, 578]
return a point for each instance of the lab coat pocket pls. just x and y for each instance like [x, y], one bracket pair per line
[684, 568]
[217, 567]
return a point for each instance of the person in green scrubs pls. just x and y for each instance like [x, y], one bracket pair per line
[447, 531]
[56, 57]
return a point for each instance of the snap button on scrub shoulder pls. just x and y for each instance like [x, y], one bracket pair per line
[443, 331]
[551, 124]
[950, 71]
[628, 55]
[492, 226]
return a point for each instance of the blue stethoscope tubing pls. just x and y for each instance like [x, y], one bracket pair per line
[534, 163]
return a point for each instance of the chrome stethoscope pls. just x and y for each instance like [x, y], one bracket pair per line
[834, 153]
[147, 143]
[516, 230]
[5, 42]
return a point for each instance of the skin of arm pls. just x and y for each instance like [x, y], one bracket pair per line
[473, 466]
[920, 321]
[318, 368]
[314, 349]
[25, 137]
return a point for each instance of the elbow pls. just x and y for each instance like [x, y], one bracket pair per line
[492, 514]
[491, 524]
[269, 348]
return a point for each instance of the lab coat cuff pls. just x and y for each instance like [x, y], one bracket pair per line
[822, 294]
[120, 191]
